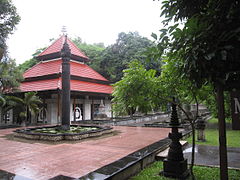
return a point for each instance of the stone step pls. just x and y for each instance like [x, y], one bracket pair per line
[163, 154]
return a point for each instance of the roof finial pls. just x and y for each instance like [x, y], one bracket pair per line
[65, 51]
[64, 30]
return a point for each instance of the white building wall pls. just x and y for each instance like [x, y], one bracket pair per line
[108, 108]
[52, 108]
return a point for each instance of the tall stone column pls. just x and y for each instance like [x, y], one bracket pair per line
[65, 54]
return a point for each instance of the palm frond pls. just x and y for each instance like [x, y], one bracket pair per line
[16, 100]
[2, 101]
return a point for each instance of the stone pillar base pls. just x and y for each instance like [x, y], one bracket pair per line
[201, 135]
[175, 169]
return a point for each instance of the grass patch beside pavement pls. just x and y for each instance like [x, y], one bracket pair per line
[211, 135]
[201, 173]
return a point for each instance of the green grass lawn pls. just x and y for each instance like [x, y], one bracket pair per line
[215, 120]
[201, 173]
[211, 135]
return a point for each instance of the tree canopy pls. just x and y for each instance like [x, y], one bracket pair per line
[206, 49]
[10, 76]
[207, 45]
[129, 46]
[8, 20]
[134, 90]
[93, 51]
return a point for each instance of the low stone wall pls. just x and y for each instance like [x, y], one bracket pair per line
[130, 164]
[28, 134]
[127, 120]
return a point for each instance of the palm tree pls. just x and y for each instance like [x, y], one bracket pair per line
[28, 105]
[2, 101]
[2, 104]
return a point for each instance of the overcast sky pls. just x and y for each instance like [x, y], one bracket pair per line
[93, 20]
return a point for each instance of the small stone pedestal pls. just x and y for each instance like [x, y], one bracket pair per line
[175, 169]
[200, 126]
[175, 165]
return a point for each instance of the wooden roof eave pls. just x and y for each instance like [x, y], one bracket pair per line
[58, 55]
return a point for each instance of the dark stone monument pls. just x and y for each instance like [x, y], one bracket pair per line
[65, 54]
[235, 109]
[175, 165]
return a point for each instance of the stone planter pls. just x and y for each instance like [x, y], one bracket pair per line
[30, 134]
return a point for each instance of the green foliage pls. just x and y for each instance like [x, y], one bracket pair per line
[207, 45]
[10, 76]
[209, 100]
[201, 173]
[172, 83]
[134, 90]
[27, 105]
[2, 101]
[112, 60]
[93, 51]
[31, 62]
[27, 64]
[128, 47]
[8, 20]
[212, 138]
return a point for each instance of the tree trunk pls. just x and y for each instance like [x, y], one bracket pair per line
[222, 133]
[193, 140]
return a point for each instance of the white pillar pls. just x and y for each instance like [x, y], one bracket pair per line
[71, 111]
[108, 108]
[87, 108]
[0, 115]
[10, 116]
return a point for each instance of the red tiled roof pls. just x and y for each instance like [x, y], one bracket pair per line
[90, 87]
[57, 46]
[44, 68]
[83, 70]
[54, 84]
[55, 67]
[41, 85]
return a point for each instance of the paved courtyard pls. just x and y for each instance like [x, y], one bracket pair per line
[42, 161]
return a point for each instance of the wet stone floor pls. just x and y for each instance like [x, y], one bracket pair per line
[209, 156]
[22, 160]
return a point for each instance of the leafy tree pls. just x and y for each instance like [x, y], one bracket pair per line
[93, 51]
[10, 76]
[206, 47]
[8, 20]
[129, 46]
[133, 91]
[31, 62]
[171, 83]
[27, 64]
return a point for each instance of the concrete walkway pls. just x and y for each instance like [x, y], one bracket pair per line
[40, 161]
[209, 156]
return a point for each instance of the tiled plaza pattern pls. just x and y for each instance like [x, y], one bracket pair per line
[43, 161]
